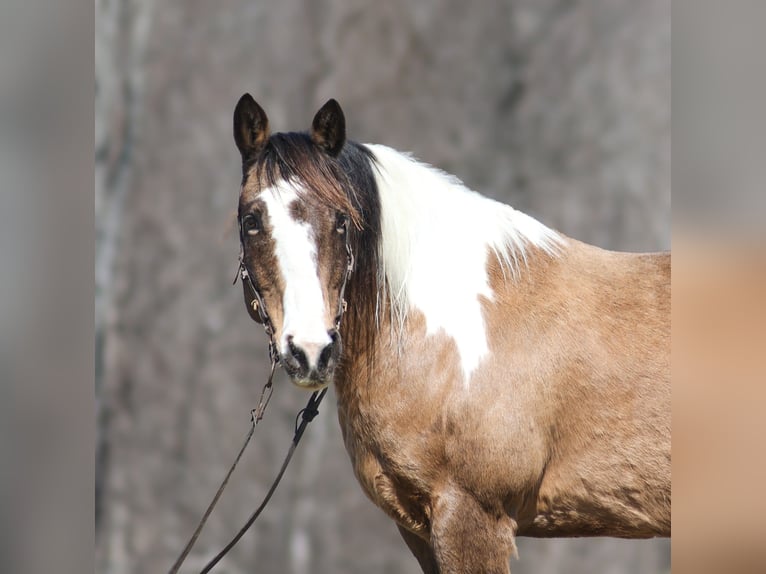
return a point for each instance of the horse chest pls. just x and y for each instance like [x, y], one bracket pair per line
[390, 470]
[400, 495]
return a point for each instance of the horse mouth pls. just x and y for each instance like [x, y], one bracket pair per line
[312, 380]
[310, 385]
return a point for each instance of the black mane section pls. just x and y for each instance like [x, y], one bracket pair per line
[358, 164]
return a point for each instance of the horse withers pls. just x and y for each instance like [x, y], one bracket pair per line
[494, 378]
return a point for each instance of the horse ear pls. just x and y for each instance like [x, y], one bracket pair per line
[328, 130]
[251, 127]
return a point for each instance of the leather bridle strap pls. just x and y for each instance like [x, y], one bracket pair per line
[307, 414]
[257, 304]
[257, 301]
[255, 416]
[349, 269]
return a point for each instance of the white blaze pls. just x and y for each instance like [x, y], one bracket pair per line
[303, 302]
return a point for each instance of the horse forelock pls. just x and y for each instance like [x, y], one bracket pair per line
[318, 178]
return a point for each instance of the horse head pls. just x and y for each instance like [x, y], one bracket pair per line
[295, 220]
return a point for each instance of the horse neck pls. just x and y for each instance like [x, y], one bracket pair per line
[437, 235]
[436, 239]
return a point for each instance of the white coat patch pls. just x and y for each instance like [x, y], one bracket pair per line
[437, 235]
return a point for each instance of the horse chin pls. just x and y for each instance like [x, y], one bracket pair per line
[311, 384]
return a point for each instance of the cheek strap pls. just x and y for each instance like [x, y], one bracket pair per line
[255, 304]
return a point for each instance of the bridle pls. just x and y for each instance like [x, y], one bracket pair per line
[307, 414]
[257, 304]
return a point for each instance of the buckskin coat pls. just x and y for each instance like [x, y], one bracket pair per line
[494, 378]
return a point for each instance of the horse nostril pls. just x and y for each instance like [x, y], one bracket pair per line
[330, 352]
[325, 357]
[296, 355]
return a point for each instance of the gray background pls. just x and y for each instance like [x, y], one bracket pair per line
[559, 108]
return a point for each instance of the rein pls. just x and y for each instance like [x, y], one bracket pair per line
[306, 414]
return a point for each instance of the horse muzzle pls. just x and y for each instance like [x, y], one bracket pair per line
[311, 365]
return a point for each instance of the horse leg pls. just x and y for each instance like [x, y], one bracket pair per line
[421, 550]
[466, 538]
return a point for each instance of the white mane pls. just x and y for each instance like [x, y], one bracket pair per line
[436, 237]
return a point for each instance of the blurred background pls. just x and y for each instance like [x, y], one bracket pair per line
[559, 108]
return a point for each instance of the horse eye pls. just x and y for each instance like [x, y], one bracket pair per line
[341, 223]
[251, 224]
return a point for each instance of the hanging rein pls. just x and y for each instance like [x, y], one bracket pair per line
[306, 414]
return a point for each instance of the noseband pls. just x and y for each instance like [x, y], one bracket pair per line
[258, 305]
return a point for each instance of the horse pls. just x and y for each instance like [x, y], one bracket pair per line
[494, 378]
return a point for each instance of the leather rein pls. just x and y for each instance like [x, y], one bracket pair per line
[306, 414]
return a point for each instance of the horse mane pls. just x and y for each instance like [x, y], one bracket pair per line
[438, 236]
